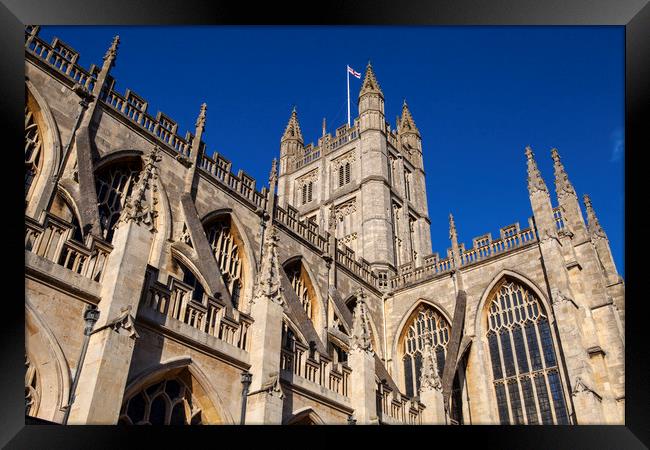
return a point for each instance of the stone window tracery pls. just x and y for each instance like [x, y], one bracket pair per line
[525, 372]
[228, 251]
[33, 150]
[114, 186]
[426, 321]
[32, 388]
[168, 402]
[302, 287]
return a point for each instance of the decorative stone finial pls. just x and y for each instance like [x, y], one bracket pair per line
[292, 131]
[273, 176]
[111, 53]
[535, 181]
[563, 186]
[406, 123]
[268, 280]
[360, 339]
[370, 83]
[453, 236]
[452, 228]
[593, 225]
[140, 207]
[200, 121]
[430, 378]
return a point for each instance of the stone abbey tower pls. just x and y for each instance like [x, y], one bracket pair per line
[163, 288]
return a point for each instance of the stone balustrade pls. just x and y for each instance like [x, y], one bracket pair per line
[60, 57]
[317, 368]
[483, 248]
[327, 144]
[395, 409]
[345, 256]
[53, 240]
[307, 230]
[175, 301]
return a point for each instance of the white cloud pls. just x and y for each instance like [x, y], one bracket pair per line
[617, 140]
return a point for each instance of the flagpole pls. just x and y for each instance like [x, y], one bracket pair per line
[347, 71]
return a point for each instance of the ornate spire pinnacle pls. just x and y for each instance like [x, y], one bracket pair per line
[360, 339]
[200, 121]
[293, 128]
[140, 207]
[453, 236]
[592, 221]
[535, 181]
[563, 186]
[268, 279]
[273, 176]
[370, 83]
[430, 378]
[406, 123]
[111, 53]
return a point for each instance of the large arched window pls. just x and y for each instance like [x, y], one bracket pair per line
[114, 185]
[33, 151]
[425, 321]
[525, 369]
[168, 402]
[302, 287]
[32, 388]
[228, 249]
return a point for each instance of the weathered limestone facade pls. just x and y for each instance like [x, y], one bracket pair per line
[161, 287]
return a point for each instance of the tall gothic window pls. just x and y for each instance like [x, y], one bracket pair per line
[425, 321]
[407, 184]
[228, 251]
[344, 174]
[33, 150]
[168, 402]
[524, 364]
[302, 287]
[114, 186]
[307, 192]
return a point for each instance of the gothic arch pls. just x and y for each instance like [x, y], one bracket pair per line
[180, 254]
[305, 416]
[43, 185]
[503, 382]
[403, 329]
[249, 264]
[117, 157]
[294, 328]
[212, 406]
[318, 309]
[46, 356]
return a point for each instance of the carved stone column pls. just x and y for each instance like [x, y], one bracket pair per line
[103, 379]
[362, 362]
[265, 397]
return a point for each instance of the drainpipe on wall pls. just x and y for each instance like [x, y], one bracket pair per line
[91, 314]
[246, 378]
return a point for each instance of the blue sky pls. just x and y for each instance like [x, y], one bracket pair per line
[479, 95]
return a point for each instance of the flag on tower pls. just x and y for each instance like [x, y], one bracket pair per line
[354, 73]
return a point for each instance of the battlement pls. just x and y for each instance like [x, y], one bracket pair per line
[511, 237]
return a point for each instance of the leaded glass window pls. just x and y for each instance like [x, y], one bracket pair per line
[228, 251]
[114, 186]
[426, 321]
[525, 373]
[302, 287]
[168, 402]
[33, 150]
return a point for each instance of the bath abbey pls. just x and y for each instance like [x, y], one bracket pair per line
[161, 287]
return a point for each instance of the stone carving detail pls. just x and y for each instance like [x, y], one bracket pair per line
[349, 238]
[33, 146]
[345, 209]
[273, 176]
[273, 387]
[360, 339]
[140, 207]
[563, 186]
[124, 321]
[581, 387]
[559, 298]
[349, 157]
[268, 279]
[535, 181]
[185, 236]
[311, 176]
[32, 388]
[430, 379]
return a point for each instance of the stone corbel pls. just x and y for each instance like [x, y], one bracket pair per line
[184, 160]
[272, 387]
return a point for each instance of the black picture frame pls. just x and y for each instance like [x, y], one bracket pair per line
[634, 15]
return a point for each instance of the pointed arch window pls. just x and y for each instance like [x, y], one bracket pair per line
[168, 402]
[33, 150]
[227, 247]
[32, 388]
[114, 186]
[525, 372]
[426, 321]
